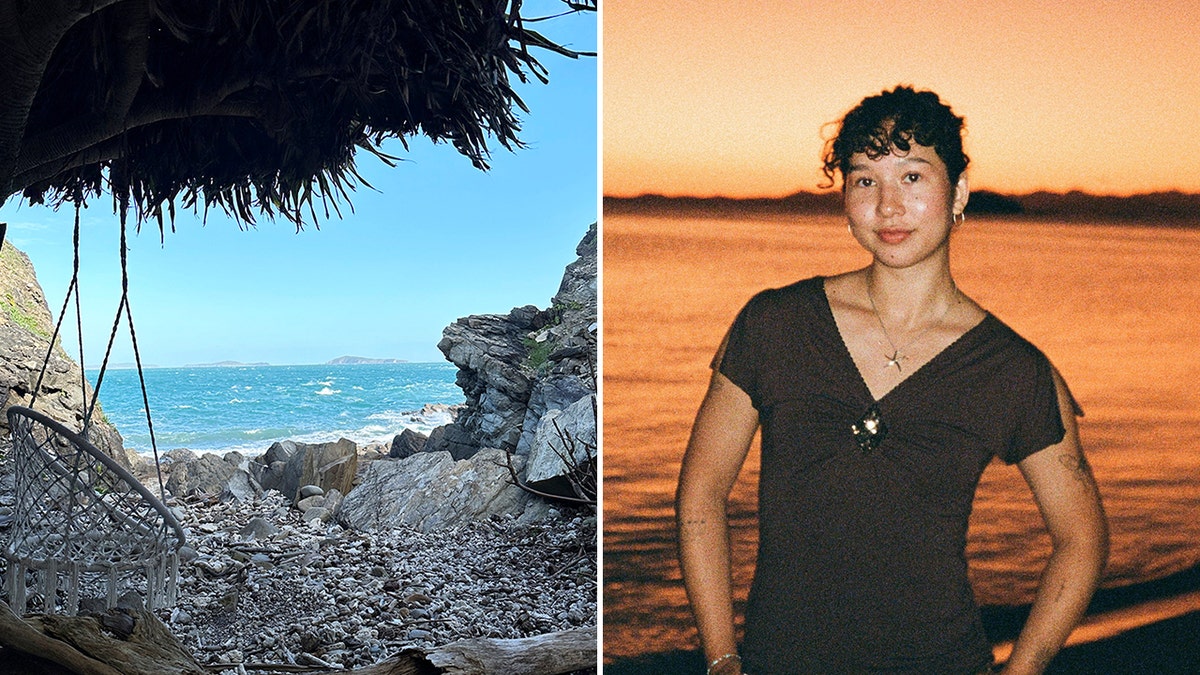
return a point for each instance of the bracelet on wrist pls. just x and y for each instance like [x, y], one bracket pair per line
[720, 660]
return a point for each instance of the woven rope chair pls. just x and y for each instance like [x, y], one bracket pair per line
[83, 524]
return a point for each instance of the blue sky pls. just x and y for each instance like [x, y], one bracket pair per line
[435, 241]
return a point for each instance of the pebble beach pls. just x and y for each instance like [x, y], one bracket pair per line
[267, 587]
[261, 588]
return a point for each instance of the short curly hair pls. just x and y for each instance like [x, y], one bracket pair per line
[892, 121]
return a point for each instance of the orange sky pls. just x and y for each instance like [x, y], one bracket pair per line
[703, 97]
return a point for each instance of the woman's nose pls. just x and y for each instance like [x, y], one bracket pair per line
[891, 202]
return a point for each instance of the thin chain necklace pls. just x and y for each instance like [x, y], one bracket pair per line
[898, 354]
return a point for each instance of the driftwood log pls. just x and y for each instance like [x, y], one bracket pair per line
[121, 642]
[549, 654]
[135, 642]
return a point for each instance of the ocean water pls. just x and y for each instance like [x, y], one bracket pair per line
[1114, 306]
[247, 408]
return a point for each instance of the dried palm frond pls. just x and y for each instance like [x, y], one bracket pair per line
[257, 107]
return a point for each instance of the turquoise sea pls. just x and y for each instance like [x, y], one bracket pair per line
[247, 408]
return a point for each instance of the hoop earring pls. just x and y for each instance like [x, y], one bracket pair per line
[959, 218]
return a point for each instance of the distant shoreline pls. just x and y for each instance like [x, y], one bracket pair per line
[1146, 208]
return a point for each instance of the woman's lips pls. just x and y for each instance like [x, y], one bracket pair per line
[892, 235]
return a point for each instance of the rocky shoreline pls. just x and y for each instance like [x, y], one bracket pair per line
[264, 582]
[330, 556]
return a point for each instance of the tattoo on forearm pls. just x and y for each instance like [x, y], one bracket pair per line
[1079, 467]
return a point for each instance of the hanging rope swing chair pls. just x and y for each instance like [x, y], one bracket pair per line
[83, 526]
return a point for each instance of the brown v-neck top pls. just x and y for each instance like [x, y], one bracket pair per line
[861, 560]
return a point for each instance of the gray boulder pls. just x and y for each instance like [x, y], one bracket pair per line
[280, 451]
[241, 486]
[564, 448]
[207, 474]
[431, 491]
[407, 443]
[287, 466]
[555, 392]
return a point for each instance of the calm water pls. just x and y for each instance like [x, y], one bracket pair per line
[1114, 306]
[247, 408]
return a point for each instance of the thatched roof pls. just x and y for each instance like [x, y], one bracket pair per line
[251, 106]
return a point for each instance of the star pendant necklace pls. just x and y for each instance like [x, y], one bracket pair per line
[898, 354]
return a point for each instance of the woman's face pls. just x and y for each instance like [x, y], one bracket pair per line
[901, 206]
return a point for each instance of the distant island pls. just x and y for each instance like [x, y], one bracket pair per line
[360, 360]
[1074, 205]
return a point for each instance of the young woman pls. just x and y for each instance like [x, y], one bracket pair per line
[882, 394]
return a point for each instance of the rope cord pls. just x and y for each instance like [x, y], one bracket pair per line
[137, 357]
[122, 307]
[87, 419]
[72, 287]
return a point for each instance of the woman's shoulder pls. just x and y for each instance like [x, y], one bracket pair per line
[1024, 363]
[1005, 334]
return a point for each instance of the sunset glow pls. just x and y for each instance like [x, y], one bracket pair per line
[704, 98]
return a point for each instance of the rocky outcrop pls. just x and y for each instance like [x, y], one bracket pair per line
[25, 329]
[529, 379]
[515, 369]
[491, 355]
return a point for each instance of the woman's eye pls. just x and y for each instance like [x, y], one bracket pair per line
[912, 177]
[864, 182]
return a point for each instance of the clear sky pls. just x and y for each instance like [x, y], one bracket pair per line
[704, 97]
[436, 241]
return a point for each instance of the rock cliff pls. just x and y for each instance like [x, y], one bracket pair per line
[25, 329]
[515, 368]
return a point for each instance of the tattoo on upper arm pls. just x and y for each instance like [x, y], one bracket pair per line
[1079, 467]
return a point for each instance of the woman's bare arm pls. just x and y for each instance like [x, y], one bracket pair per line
[1066, 495]
[717, 449]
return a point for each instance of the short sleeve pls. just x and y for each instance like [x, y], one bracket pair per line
[1039, 424]
[736, 357]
